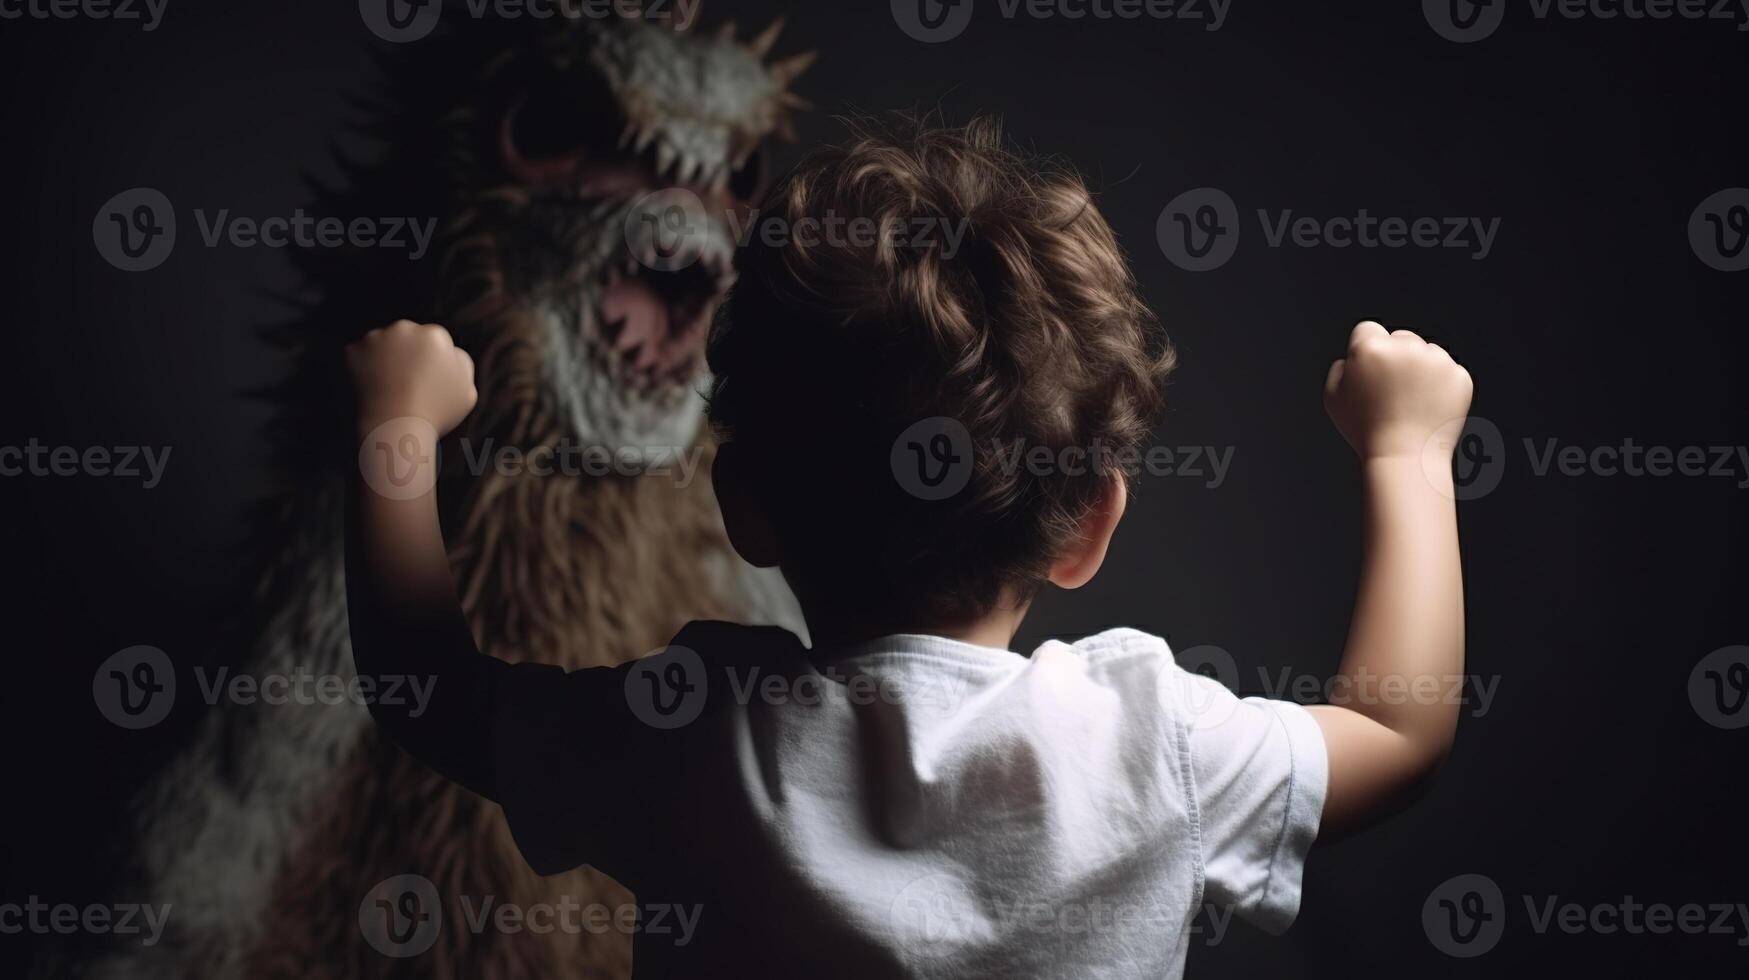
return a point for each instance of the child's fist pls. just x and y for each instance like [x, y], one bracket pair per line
[411, 369]
[1396, 394]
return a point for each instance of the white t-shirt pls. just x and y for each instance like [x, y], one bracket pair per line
[913, 806]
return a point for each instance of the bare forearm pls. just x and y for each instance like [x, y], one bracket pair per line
[409, 634]
[1390, 721]
[1406, 640]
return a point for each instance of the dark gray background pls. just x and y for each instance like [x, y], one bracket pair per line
[1591, 598]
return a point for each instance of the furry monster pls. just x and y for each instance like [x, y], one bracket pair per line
[539, 144]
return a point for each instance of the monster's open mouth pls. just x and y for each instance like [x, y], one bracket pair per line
[655, 321]
[675, 156]
[571, 144]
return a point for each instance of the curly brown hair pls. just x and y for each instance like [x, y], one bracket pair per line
[994, 295]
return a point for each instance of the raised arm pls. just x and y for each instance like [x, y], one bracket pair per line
[1400, 402]
[433, 689]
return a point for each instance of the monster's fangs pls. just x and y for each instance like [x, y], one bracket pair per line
[653, 321]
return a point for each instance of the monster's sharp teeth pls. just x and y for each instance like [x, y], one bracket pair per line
[625, 138]
[720, 179]
[664, 159]
[645, 137]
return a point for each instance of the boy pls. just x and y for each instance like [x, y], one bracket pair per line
[908, 797]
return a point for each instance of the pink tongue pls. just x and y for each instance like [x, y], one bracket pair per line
[646, 320]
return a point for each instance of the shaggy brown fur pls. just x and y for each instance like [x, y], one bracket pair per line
[524, 550]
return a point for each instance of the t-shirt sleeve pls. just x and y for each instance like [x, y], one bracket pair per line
[1259, 771]
[558, 742]
[583, 760]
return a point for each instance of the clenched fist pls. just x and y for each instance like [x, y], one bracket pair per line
[1396, 395]
[415, 370]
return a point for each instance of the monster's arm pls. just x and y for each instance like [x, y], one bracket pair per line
[426, 682]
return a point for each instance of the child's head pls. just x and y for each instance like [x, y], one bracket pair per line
[913, 274]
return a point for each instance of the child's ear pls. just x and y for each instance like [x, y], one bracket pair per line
[1077, 564]
[744, 516]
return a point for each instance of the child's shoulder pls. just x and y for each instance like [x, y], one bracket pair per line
[1116, 644]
